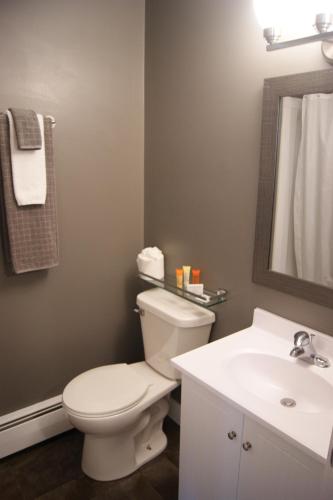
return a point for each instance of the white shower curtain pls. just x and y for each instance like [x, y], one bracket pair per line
[313, 198]
[283, 248]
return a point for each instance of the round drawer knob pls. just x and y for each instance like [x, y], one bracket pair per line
[232, 435]
[247, 446]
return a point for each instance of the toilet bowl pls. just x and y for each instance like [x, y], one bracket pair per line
[121, 407]
[120, 435]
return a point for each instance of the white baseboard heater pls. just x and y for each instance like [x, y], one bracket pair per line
[28, 426]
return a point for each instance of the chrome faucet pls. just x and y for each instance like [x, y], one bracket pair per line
[304, 350]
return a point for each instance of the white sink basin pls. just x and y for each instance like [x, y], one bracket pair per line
[274, 379]
[253, 370]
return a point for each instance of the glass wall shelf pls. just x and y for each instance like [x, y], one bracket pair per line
[208, 299]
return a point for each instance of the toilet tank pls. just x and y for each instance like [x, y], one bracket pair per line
[171, 326]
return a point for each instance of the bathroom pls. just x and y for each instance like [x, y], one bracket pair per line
[158, 108]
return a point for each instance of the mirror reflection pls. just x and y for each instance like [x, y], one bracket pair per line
[302, 233]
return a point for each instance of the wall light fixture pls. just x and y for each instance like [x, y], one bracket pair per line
[287, 23]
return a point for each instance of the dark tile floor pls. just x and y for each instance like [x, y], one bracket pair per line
[51, 471]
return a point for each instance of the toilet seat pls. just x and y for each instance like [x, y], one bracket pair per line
[104, 391]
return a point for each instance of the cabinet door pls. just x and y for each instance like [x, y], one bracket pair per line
[274, 469]
[209, 460]
[327, 487]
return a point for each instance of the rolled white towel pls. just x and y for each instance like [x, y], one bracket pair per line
[151, 261]
[151, 252]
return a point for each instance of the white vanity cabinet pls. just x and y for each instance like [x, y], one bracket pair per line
[209, 459]
[225, 455]
[273, 469]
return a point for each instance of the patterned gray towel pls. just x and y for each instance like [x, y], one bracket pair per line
[30, 233]
[26, 128]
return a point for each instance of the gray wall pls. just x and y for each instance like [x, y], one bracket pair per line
[205, 65]
[82, 62]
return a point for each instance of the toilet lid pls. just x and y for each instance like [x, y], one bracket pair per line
[105, 390]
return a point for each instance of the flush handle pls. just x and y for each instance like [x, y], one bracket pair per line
[232, 435]
[138, 310]
[247, 446]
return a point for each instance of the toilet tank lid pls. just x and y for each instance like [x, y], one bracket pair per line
[173, 309]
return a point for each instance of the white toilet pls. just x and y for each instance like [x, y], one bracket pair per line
[120, 408]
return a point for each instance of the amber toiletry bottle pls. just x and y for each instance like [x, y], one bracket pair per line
[195, 276]
[179, 278]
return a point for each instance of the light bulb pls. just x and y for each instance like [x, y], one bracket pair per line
[321, 6]
[267, 12]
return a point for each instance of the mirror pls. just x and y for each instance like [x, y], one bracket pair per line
[294, 229]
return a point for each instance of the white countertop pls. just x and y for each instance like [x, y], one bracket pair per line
[218, 366]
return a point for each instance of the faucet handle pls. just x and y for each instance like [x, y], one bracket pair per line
[302, 339]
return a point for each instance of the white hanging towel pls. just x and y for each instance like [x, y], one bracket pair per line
[28, 169]
[313, 200]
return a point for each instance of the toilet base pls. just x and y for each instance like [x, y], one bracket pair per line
[106, 458]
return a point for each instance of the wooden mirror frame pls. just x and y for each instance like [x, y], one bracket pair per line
[274, 89]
